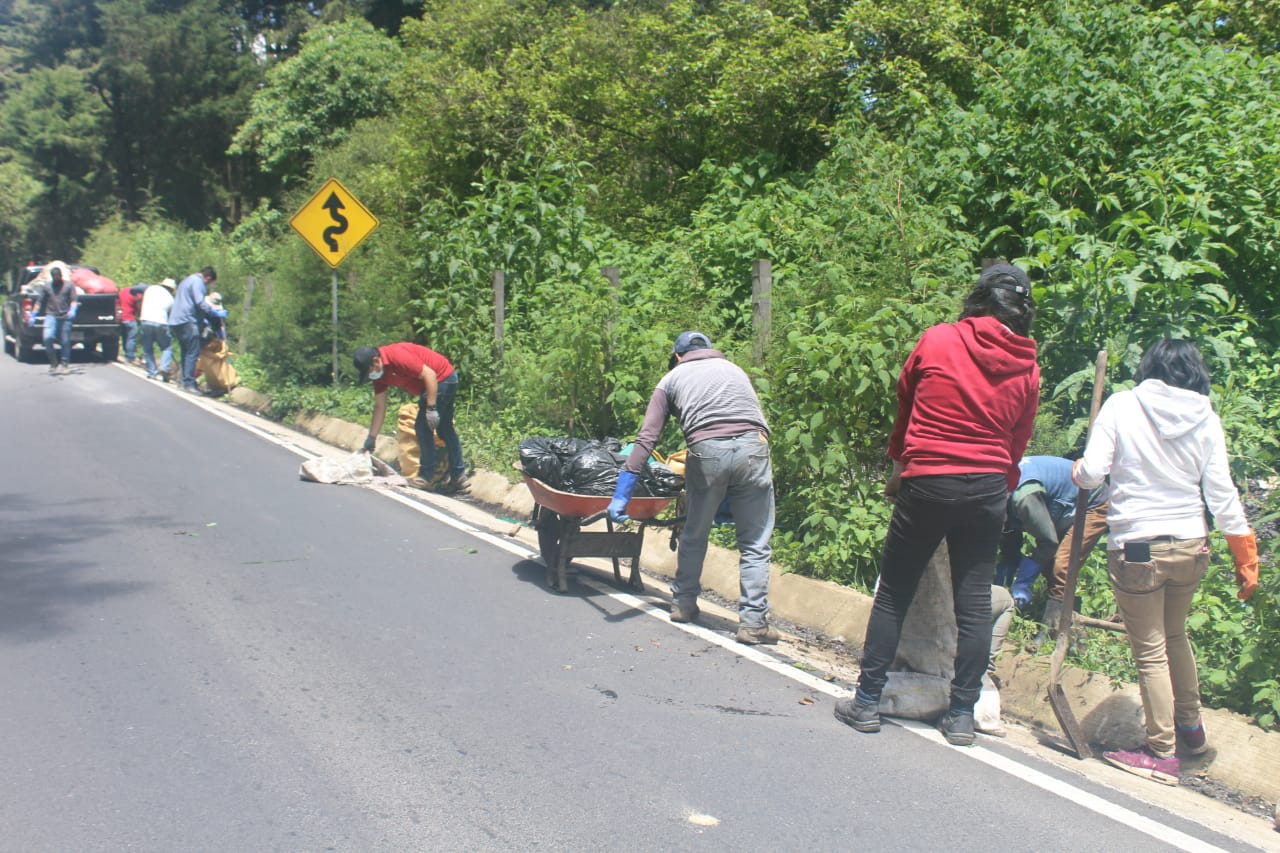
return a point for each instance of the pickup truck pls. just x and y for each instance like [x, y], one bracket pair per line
[97, 321]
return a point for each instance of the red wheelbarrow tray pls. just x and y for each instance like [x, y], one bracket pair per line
[581, 506]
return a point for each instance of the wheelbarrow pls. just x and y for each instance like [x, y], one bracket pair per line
[560, 516]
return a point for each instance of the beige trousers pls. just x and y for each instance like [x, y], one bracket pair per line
[1154, 599]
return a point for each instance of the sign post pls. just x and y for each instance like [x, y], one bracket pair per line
[333, 223]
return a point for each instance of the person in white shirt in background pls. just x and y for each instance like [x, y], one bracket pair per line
[154, 316]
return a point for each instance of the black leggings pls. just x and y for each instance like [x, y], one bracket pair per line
[967, 510]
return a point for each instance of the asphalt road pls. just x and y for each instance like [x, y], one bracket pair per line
[199, 651]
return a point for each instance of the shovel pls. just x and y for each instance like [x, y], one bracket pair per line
[1057, 697]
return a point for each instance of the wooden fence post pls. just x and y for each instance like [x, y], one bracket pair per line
[761, 309]
[499, 312]
[244, 313]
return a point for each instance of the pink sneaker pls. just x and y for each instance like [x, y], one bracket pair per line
[1142, 762]
[1193, 740]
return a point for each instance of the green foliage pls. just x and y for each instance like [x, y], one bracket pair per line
[341, 74]
[648, 93]
[51, 122]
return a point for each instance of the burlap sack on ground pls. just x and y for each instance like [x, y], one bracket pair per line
[213, 364]
[407, 441]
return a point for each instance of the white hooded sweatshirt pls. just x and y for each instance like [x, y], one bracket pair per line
[1164, 448]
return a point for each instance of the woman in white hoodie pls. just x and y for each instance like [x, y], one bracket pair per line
[1162, 445]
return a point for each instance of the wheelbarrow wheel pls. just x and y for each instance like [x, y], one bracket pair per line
[548, 525]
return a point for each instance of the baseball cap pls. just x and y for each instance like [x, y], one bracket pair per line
[686, 342]
[363, 360]
[1006, 277]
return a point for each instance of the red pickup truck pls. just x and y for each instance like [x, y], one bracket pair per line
[97, 321]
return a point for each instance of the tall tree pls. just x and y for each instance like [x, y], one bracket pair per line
[53, 123]
[175, 78]
[341, 74]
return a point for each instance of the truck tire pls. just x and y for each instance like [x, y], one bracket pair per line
[110, 349]
[22, 349]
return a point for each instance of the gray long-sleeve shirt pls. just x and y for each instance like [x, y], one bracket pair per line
[57, 302]
[712, 398]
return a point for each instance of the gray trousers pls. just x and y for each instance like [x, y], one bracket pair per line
[738, 469]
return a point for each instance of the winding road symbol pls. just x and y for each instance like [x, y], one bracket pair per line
[333, 222]
[334, 205]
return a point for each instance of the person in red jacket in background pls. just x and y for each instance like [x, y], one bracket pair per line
[429, 376]
[130, 305]
[967, 401]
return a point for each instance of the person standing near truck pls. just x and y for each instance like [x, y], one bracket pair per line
[56, 301]
[186, 318]
[429, 376]
[154, 316]
[130, 302]
[728, 440]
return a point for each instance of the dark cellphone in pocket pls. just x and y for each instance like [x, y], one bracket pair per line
[1137, 552]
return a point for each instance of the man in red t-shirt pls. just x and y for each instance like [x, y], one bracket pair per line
[427, 375]
[130, 305]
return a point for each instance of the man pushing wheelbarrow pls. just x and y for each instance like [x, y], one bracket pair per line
[728, 441]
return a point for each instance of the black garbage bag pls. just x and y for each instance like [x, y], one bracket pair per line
[551, 460]
[593, 471]
[659, 481]
[543, 458]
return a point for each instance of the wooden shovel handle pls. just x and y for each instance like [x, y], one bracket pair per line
[1077, 535]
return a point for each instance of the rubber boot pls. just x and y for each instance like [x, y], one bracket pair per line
[1028, 571]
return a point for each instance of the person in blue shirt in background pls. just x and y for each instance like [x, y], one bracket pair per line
[1043, 505]
[186, 318]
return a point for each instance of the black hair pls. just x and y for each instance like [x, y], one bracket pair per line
[208, 272]
[994, 297]
[1177, 363]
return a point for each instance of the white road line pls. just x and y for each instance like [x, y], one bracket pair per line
[1062, 789]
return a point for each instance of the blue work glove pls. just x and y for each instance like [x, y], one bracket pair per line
[627, 481]
[31, 321]
[71, 312]
[1028, 571]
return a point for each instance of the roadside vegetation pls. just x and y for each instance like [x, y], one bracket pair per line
[1127, 154]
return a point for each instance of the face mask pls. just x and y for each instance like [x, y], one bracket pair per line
[375, 375]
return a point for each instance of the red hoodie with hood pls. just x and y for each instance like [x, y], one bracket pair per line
[967, 401]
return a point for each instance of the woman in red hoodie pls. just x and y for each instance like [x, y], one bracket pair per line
[967, 400]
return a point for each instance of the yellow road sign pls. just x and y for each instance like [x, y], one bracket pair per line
[333, 222]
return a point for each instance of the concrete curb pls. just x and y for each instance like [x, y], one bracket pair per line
[1242, 756]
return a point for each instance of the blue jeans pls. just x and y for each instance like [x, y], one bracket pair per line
[188, 335]
[445, 393]
[153, 334]
[129, 334]
[59, 329]
[737, 469]
[968, 511]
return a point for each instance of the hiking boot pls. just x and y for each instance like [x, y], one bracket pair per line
[862, 716]
[957, 727]
[1143, 762]
[757, 635]
[1194, 741]
[453, 485]
[684, 612]
[417, 483]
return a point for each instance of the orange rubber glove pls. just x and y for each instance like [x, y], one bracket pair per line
[1244, 549]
